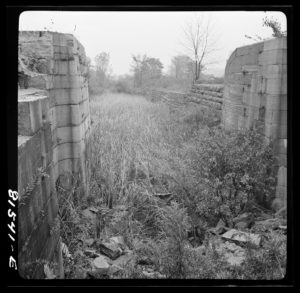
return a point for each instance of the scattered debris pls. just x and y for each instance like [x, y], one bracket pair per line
[91, 253]
[269, 224]
[241, 237]
[114, 269]
[100, 265]
[89, 241]
[153, 275]
[93, 209]
[219, 229]
[243, 221]
[241, 225]
[123, 260]
[48, 272]
[232, 253]
[110, 249]
[119, 240]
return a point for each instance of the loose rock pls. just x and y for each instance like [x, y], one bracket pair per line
[118, 240]
[91, 253]
[241, 237]
[100, 265]
[153, 275]
[89, 241]
[110, 249]
[241, 225]
[232, 253]
[123, 260]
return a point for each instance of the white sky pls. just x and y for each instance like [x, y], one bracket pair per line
[157, 34]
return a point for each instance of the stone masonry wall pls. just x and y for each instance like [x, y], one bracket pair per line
[255, 96]
[154, 95]
[210, 95]
[53, 127]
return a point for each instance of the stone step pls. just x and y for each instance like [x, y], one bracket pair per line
[209, 87]
[206, 97]
[206, 92]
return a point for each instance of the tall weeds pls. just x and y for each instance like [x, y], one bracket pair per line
[139, 149]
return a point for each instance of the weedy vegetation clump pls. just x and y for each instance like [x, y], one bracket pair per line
[177, 173]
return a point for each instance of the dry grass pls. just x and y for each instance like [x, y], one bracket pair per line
[132, 140]
[139, 148]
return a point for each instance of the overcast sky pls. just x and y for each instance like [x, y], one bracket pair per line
[157, 34]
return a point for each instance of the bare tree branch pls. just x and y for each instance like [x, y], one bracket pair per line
[198, 35]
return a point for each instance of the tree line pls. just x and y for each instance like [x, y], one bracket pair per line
[199, 41]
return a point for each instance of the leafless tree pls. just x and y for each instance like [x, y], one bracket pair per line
[200, 41]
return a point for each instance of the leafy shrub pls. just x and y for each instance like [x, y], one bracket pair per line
[139, 148]
[232, 168]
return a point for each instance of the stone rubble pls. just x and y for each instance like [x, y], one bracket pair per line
[100, 265]
[242, 238]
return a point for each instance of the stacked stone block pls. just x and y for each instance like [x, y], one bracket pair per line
[38, 206]
[210, 95]
[170, 97]
[255, 97]
[54, 125]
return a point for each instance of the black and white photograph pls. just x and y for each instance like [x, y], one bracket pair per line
[152, 145]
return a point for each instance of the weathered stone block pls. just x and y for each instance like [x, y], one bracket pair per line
[60, 49]
[29, 160]
[272, 116]
[60, 97]
[242, 51]
[45, 109]
[49, 82]
[274, 71]
[35, 47]
[67, 115]
[52, 118]
[29, 115]
[60, 67]
[280, 146]
[276, 131]
[276, 102]
[255, 100]
[75, 81]
[62, 56]
[277, 56]
[69, 134]
[47, 143]
[76, 95]
[278, 43]
[277, 85]
[74, 68]
[282, 177]
[38, 82]
[250, 59]
[61, 82]
[281, 160]
[276, 117]
[70, 150]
